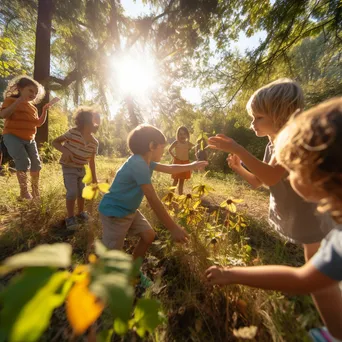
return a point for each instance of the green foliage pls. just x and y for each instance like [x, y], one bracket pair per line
[146, 316]
[28, 302]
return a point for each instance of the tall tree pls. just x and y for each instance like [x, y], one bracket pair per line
[42, 58]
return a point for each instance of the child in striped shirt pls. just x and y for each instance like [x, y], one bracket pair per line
[79, 147]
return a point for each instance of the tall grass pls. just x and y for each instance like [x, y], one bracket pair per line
[195, 311]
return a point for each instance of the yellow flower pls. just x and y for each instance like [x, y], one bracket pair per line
[229, 204]
[92, 191]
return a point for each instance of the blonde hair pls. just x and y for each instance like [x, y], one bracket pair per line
[310, 145]
[278, 100]
[13, 88]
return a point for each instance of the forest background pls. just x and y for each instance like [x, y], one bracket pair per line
[135, 67]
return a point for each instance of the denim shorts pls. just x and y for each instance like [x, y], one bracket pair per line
[73, 181]
[24, 153]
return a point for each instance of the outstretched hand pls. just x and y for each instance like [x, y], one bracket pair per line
[216, 275]
[179, 234]
[51, 103]
[223, 143]
[234, 162]
[199, 165]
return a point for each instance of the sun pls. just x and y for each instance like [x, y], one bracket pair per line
[135, 75]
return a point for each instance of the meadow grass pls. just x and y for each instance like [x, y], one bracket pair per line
[194, 310]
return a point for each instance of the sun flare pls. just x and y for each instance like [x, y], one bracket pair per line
[135, 75]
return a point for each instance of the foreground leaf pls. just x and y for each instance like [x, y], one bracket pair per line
[146, 316]
[82, 307]
[56, 255]
[29, 301]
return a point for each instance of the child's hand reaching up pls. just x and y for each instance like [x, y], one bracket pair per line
[223, 143]
[234, 162]
[218, 275]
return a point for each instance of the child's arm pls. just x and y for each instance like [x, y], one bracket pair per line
[176, 168]
[178, 233]
[57, 144]
[267, 174]
[300, 280]
[234, 162]
[42, 118]
[172, 147]
[8, 111]
[93, 168]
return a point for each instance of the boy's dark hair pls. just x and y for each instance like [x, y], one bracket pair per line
[139, 138]
[85, 115]
[183, 128]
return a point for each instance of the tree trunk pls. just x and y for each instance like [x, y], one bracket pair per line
[42, 59]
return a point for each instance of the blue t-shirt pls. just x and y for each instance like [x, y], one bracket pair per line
[125, 194]
[328, 259]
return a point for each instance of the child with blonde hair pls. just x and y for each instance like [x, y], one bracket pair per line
[21, 122]
[309, 147]
[270, 107]
[79, 148]
[182, 146]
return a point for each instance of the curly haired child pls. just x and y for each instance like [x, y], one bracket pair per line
[21, 122]
[79, 148]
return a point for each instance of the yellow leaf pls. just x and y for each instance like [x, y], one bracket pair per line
[247, 333]
[223, 204]
[82, 307]
[104, 187]
[88, 192]
[87, 179]
[232, 208]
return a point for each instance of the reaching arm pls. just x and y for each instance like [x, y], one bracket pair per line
[93, 168]
[172, 147]
[234, 162]
[178, 233]
[300, 280]
[176, 168]
[42, 118]
[267, 174]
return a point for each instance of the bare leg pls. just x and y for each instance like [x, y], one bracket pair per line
[328, 301]
[181, 186]
[146, 239]
[80, 205]
[70, 205]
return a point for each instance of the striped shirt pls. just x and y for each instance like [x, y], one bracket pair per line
[23, 121]
[80, 149]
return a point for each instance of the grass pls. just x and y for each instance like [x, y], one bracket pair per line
[194, 311]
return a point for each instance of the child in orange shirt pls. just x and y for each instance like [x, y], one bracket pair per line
[182, 146]
[21, 122]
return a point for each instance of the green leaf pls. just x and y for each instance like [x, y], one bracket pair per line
[116, 291]
[104, 336]
[147, 316]
[55, 255]
[29, 301]
[112, 278]
[120, 327]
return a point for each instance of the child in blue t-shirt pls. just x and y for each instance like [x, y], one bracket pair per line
[119, 207]
[309, 147]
